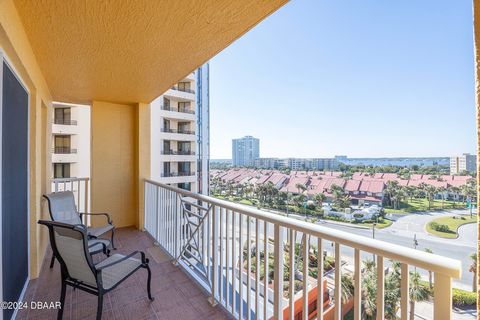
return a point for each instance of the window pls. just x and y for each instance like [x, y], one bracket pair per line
[185, 186]
[166, 103]
[184, 147]
[62, 144]
[184, 86]
[166, 147]
[184, 168]
[61, 170]
[166, 169]
[62, 116]
[183, 127]
[184, 106]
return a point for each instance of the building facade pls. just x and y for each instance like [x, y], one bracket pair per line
[70, 141]
[245, 151]
[465, 162]
[180, 133]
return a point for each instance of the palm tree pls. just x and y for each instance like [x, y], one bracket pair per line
[320, 198]
[430, 278]
[429, 193]
[455, 191]
[300, 187]
[473, 269]
[417, 292]
[394, 193]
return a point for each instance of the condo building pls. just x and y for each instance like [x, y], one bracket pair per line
[245, 151]
[180, 133]
[70, 140]
[465, 162]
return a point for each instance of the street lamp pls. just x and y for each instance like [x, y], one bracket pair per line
[373, 236]
[415, 244]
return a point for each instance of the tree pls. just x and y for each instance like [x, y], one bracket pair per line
[300, 187]
[340, 199]
[473, 269]
[430, 192]
[430, 278]
[320, 198]
[417, 292]
[394, 193]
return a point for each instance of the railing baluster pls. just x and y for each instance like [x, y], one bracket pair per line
[291, 289]
[278, 273]
[257, 269]
[249, 270]
[380, 288]
[338, 283]
[227, 256]
[221, 210]
[214, 255]
[265, 278]
[404, 291]
[234, 279]
[240, 267]
[320, 279]
[305, 252]
[357, 296]
[442, 297]
[87, 203]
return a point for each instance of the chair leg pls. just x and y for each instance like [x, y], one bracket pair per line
[113, 245]
[149, 280]
[100, 306]
[62, 299]
[52, 262]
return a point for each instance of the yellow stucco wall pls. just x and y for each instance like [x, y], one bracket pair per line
[15, 45]
[143, 155]
[114, 162]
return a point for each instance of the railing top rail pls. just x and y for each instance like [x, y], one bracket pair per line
[70, 179]
[432, 262]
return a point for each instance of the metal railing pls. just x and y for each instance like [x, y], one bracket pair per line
[63, 150]
[182, 110]
[220, 243]
[178, 152]
[183, 89]
[65, 122]
[80, 189]
[181, 131]
[177, 174]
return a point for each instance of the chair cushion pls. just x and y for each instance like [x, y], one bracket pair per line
[116, 273]
[98, 231]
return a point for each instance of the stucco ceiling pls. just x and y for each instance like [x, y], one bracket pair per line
[130, 51]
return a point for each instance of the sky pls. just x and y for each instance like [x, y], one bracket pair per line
[370, 78]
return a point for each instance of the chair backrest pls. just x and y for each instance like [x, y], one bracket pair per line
[62, 207]
[70, 247]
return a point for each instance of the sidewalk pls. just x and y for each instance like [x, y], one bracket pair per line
[424, 310]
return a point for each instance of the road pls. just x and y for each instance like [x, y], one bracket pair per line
[402, 232]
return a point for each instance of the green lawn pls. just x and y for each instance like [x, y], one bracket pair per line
[416, 205]
[452, 224]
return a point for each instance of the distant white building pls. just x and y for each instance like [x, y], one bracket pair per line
[245, 151]
[71, 141]
[465, 162]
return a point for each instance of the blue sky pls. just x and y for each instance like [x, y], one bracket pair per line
[370, 78]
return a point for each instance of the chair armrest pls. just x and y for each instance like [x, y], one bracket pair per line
[109, 220]
[142, 255]
[104, 247]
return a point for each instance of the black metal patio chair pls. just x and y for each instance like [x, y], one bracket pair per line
[62, 208]
[70, 247]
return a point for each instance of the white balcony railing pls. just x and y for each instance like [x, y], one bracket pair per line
[211, 239]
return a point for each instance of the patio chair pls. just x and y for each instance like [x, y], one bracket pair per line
[70, 247]
[63, 209]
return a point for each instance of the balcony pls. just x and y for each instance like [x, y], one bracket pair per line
[65, 122]
[182, 110]
[183, 89]
[211, 240]
[177, 174]
[63, 150]
[176, 295]
[179, 152]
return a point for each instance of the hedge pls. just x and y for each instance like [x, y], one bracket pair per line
[464, 298]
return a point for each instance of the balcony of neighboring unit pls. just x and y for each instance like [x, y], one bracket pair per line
[177, 113]
[178, 135]
[190, 77]
[178, 177]
[182, 94]
[64, 126]
[178, 156]
[64, 155]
